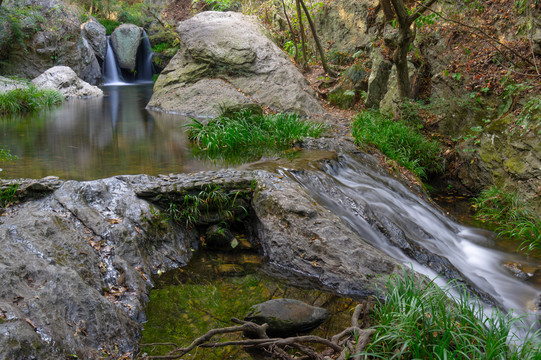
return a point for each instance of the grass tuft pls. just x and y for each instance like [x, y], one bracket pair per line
[420, 321]
[250, 134]
[511, 214]
[28, 100]
[399, 142]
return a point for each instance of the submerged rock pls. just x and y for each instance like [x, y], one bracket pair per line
[226, 59]
[125, 41]
[65, 80]
[287, 317]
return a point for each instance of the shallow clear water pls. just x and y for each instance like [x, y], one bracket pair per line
[95, 138]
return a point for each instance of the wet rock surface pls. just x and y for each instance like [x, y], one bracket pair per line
[230, 52]
[75, 270]
[287, 317]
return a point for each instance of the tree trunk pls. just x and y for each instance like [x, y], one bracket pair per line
[318, 43]
[292, 32]
[405, 39]
[387, 10]
[301, 30]
[400, 59]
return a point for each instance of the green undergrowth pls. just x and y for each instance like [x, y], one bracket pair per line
[512, 216]
[211, 201]
[28, 100]
[250, 135]
[422, 322]
[399, 142]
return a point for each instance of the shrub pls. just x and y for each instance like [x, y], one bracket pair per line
[511, 214]
[249, 134]
[398, 141]
[344, 99]
[28, 99]
[421, 321]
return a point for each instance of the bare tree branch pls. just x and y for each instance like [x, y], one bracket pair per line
[488, 36]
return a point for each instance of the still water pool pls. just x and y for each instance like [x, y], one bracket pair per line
[96, 138]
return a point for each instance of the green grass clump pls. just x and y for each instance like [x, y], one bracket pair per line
[511, 214]
[250, 134]
[422, 322]
[197, 208]
[28, 99]
[398, 141]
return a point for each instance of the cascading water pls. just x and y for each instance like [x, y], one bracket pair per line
[393, 218]
[111, 70]
[145, 68]
[112, 74]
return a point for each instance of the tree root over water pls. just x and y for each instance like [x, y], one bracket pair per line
[349, 342]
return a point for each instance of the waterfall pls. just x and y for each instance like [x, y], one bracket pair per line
[411, 229]
[111, 70]
[145, 68]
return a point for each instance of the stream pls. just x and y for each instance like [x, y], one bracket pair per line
[114, 135]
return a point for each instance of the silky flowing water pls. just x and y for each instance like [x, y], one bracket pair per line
[365, 197]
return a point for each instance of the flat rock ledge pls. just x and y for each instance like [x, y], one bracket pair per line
[77, 257]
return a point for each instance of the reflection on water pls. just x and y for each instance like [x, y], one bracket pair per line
[96, 138]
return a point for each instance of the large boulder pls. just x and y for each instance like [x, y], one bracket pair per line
[226, 59]
[75, 268]
[96, 35]
[65, 80]
[125, 41]
[51, 36]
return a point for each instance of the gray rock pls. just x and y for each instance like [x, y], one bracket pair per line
[75, 269]
[125, 41]
[65, 80]
[239, 64]
[96, 35]
[348, 25]
[7, 84]
[90, 68]
[205, 98]
[52, 36]
[378, 79]
[287, 317]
